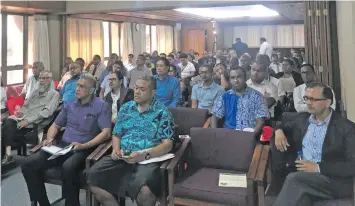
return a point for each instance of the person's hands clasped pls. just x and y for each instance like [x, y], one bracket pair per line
[281, 142]
[22, 124]
[306, 166]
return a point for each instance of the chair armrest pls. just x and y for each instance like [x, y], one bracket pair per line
[179, 154]
[106, 147]
[263, 163]
[39, 146]
[89, 158]
[255, 162]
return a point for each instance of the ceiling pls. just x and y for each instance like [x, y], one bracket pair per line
[288, 12]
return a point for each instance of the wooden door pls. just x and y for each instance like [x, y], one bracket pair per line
[195, 39]
[321, 43]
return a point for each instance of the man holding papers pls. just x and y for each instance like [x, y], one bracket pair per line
[88, 123]
[143, 124]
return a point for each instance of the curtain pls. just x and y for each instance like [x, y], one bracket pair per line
[298, 37]
[126, 41]
[284, 36]
[85, 38]
[41, 41]
[177, 39]
[143, 37]
[164, 39]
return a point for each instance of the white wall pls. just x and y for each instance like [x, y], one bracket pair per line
[346, 45]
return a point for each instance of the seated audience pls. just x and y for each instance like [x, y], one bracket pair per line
[105, 87]
[275, 65]
[168, 88]
[107, 71]
[222, 78]
[67, 75]
[69, 88]
[187, 68]
[175, 62]
[137, 72]
[324, 140]
[190, 58]
[118, 94]
[33, 81]
[245, 62]
[130, 64]
[265, 60]
[242, 106]
[87, 122]
[65, 72]
[95, 68]
[80, 61]
[259, 82]
[149, 64]
[289, 79]
[155, 56]
[37, 109]
[308, 76]
[162, 55]
[144, 123]
[206, 93]
[211, 59]
[296, 64]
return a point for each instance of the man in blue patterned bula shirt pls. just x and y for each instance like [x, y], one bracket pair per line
[143, 124]
[242, 106]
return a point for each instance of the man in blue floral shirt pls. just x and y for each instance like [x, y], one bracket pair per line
[242, 107]
[143, 124]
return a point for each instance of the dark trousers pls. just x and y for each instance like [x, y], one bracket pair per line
[10, 133]
[303, 189]
[72, 163]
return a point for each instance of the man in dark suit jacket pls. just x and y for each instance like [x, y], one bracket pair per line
[327, 141]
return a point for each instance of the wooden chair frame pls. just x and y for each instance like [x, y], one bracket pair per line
[176, 167]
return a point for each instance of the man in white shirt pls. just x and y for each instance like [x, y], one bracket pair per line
[130, 64]
[265, 47]
[308, 76]
[33, 81]
[187, 68]
[96, 68]
[264, 86]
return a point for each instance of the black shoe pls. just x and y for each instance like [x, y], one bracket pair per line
[8, 159]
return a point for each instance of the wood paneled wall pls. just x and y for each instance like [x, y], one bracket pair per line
[321, 42]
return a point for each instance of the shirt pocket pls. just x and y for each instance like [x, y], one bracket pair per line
[89, 121]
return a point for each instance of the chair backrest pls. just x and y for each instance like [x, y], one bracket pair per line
[221, 148]
[12, 103]
[289, 116]
[14, 90]
[186, 118]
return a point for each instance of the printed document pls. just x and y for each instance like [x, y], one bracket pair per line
[232, 180]
[57, 151]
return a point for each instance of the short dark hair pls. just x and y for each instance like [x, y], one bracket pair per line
[171, 56]
[297, 62]
[80, 61]
[97, 56]
[131, 55]
[196, 53]
[309, 65]
[165, 61]
[239, 68]
[289, 61]
[162, 54]
[172, 66]
[148, 55]
[274, 55]
[327, 91]
[225, 67]
[118, 74]
[262, 39]
[190, 55]
[208, 66]
[152, 81]
[238, 39]
[183, 56]
[141, 55]
[263, 59]
[234, 61]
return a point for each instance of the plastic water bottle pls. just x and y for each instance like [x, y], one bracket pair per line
[299, 155]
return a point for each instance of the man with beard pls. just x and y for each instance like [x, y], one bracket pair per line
[37, 109]
[242, 106]
[87, 122]
[205, 94]
[68, 90]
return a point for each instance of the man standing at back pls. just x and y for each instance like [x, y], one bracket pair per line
[265, 47]
[88, 124]
[137, 72]
[240, 47]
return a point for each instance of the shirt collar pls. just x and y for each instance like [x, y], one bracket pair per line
[209, 87]
[166, 76]
[246, 91]
[150, 108]
[90, 103]
[313, 120]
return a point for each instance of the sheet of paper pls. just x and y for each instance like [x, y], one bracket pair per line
[246, 130]
[232, 180]
[184, 136]
[52, 149]
[158, 159]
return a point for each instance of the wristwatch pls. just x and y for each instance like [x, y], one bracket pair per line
[147, 156]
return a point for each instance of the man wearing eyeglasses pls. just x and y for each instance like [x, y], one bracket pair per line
[308, 76]
[69, 88]
[326, 142]
[37, 109]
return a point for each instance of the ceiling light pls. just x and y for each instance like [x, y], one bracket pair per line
[231, 11]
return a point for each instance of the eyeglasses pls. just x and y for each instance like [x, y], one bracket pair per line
[311, 99]
[112, 79]
[74, 68]
[44, 78]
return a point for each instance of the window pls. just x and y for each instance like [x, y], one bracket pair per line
[115, 44]
[30, 58]
[147, 38]
[14, 40]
